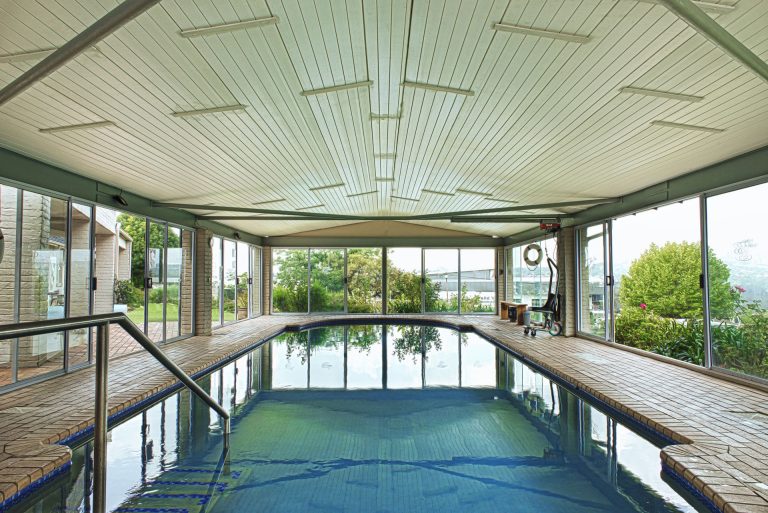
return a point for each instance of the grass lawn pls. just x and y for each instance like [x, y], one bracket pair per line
[156, 314]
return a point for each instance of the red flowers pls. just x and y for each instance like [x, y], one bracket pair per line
[740, 289]
[643, 306]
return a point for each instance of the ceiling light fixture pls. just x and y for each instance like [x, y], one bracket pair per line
[551, 34]
[384, 116]
[83, 126]
[704, 6]
[485, 195]
[384, 179]
[661, 94]
[212, 110]
[385, 156]
[403, 198]
[439, 193]
[36, 55]
[323, 187]
[119, 198]
[439, 88]
[268, 201]
[512, 202]
[229, 27]
[313, 206]
[333, 89]
[670, 124]
[361, 194]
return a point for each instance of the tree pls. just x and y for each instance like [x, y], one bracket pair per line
[666, 280]
[136, 228]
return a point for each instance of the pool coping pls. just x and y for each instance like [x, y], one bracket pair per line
[678, 460]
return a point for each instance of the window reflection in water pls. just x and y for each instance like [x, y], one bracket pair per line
[180, 432]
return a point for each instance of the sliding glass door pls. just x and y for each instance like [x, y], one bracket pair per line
[441, 280]
[594, 278]
[327, 280]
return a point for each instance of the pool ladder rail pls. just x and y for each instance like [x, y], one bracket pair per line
[102, 324]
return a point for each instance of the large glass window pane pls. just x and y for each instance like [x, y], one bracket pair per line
[509, 280]
[230, 275]
[364, 356]
[256, 279]
[657, 292]
[592, 273]
[532, 281]
[327, 280]
[738, 281]
[186, 301]
[80, 277]
[404, 280]
[478, 280]
[216, 281]
[441, 280]
[174, 273]
[157, 275]
[326, 357]
[243, 280]
[9, 198]
[290, 272]
[364, 282]
[43, 282]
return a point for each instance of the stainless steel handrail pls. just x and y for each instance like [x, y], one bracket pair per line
[101, 323]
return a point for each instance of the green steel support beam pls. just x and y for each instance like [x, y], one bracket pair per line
[746, 168]
[470, 241]
[21, 171]
[709, 28]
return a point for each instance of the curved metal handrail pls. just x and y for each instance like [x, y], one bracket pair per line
[101, 322]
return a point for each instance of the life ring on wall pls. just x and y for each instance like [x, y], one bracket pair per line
[527, 257]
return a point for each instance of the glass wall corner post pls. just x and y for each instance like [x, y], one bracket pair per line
[459, 284]
[707, 332]
[610, 321]
[346, 307]
[384, 284]
[423, 284]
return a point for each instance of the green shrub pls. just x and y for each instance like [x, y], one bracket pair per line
[126, 294]
[643, 329]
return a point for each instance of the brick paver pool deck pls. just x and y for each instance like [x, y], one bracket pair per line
[721, 427]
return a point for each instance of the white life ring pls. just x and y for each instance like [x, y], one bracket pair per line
[539, 254]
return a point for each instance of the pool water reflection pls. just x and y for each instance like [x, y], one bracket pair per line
[374, 418]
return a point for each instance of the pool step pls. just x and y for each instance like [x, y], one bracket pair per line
[182, 490]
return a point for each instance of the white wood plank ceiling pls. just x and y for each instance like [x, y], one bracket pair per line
[530, 119]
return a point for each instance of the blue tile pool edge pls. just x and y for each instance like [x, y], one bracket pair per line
[82, 435]
[689, 487]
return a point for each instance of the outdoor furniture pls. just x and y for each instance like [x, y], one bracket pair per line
[512, 311]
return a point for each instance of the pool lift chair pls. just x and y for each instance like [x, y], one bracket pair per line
[550, 309]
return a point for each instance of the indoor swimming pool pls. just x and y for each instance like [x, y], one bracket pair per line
[391, 418]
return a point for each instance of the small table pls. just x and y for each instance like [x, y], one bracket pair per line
[504, 307]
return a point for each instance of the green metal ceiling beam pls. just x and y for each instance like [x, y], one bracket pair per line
[100, 29]
[464, 219]
[24, 172]
[415, 217]
[747, 168]
[709, 28]
[509, 219]
[470, 241]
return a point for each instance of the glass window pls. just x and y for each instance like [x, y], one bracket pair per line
[404, 280]
[364, 280]
[593, 315]
[290, 275]
[256, 278]
[43, 282]
[531, 282]
[441, 280]
[738, 281]
[174, 273]
[478, 280]
[509, 279]
[215, 281]
[157, 281]
[230, 275]
[243, 280]
[327, 280]
[9, 198]
[80, 276]
[657, 294]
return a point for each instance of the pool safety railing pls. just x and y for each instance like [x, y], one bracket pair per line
[102, 324]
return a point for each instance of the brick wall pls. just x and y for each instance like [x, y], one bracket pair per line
[266, 274]
[8, 199]
[185, 285]
[500, 269]
[103, 297]
[256, 306]
[204, 301]
[567, 278]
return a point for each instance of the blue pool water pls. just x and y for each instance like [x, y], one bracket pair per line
[373, 418]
